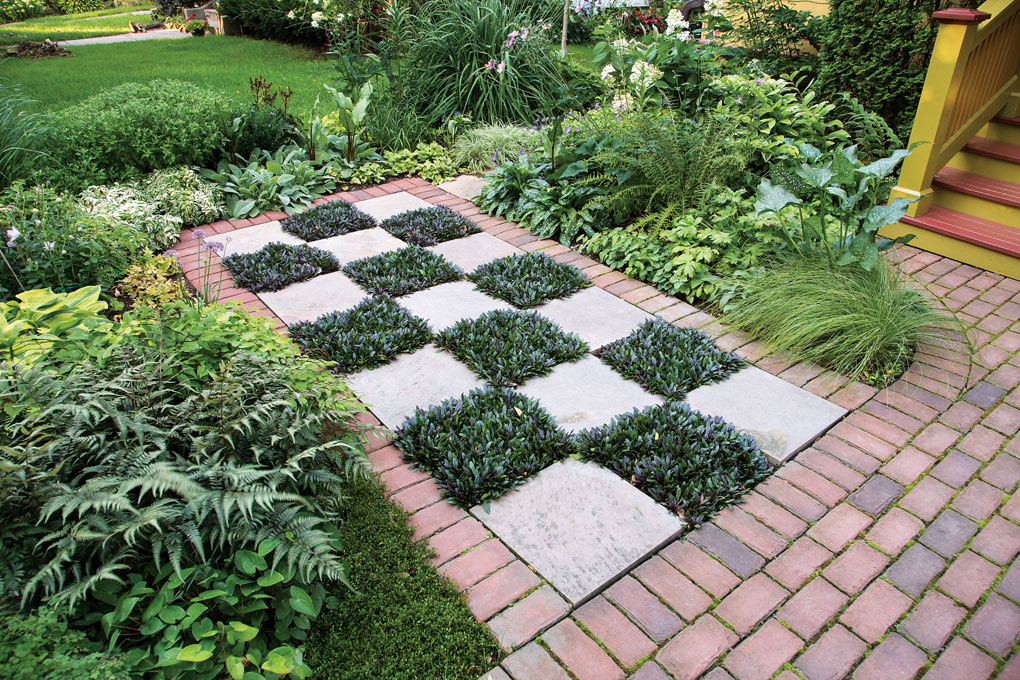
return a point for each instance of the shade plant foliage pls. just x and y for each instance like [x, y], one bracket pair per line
[278, 265]
[528, 280]
[324, 221]
[404, 271]
[429, 226]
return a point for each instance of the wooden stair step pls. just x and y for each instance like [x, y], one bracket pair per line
[1004, 151]
[985, 233]
[1007, 121]
[988, 188]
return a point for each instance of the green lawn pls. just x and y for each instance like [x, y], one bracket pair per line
[582, 55]
[215, 62]
[68, 27]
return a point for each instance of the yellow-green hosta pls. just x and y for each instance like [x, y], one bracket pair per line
[40, 317]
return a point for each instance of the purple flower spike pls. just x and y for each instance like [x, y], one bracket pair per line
[214, 246]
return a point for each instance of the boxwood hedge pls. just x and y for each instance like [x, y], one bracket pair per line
[528, 280]
[429, 226]
[669, 361]
[404, 271]
[482, 444]
[323, 221]
[278, 265]
[506, 347]
[366, 336]
[693, 464]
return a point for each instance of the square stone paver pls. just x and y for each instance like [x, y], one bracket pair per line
[782, 418]
[586, 394]
[359, 244]
[575, 524]
[387, 206]
[445, 304]
[464, 186]
[424, 378]
[308, 300]
[251, 239]
[597, 316]
[472, 251]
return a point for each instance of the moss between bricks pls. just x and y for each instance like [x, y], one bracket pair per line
[528, 280]
[506, 347]
[369, 335]
[278, 265]
[404, 271]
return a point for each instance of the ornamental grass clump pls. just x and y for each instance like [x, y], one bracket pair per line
[506, 347]
[482, 444]
[862, 324]
[429, 226]
[669, 361]
[369, 335]
[278, 265]
[693, 464]
[528, 280]
[404, 271]
[324, 221]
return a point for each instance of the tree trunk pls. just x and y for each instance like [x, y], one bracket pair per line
[566, 20]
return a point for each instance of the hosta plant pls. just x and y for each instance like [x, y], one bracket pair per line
[278, 265]
[285, 180]
[324, 221]
[404, 271]
[30, 324]
[528, 280]
[429, 226]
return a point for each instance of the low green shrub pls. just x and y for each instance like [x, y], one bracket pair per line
[258, 128]
[41, 646]
[133, 129]
[128, 205]
[152, 281]
[862, 324]
[692, 464]
[429, 161]
[404, 271]
[366, 336]
[284, 179]
[528, 280]
[324, 221]
[489, 146]
[181, 192]
[483, 444]
[274, 20]
[278, 265]
[50, 241]
[79, 6]
[402, 621]
[507, 347]
[669, 361]
[19, 10]
[429, 226]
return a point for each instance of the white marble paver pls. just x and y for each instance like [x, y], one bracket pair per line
[445, 304]
[470, 252]
[392, 204]
[465, 186]
[597, 316]
[359, 244]
[422, 379]
[251, 239]
[308, 300]
[586, 394]
[580, 526]
[781, 417]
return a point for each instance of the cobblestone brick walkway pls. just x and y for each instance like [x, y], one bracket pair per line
[887, 550]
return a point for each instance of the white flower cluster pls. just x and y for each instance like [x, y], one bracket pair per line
[623, 102]
[644, 73]
[608, 72]
[675, 22]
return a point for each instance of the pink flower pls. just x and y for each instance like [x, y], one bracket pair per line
[491, 65]
[500, 67]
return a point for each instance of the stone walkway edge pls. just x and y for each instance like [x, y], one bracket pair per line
[886, 549]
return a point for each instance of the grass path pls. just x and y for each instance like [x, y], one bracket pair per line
[216, 63]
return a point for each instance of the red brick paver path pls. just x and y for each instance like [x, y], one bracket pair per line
[886, 550]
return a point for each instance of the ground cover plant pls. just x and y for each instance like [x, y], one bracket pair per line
[404, 271]
[402, 620]
[323, 221]
[506, 347]
[482, 444]
[669, 361]
[690, 463]
[369, 335]
[278, 265]
[528, 280]
[429, 226]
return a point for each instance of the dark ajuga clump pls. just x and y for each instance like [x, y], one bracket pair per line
[404, 271]
[693, 464]
[506, 347]
[669, 361]
[323, 221]
[429, 226]
[529, 280]
[480, 445]
[366, 336]
[278, 265]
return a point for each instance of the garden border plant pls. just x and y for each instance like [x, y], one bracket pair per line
[529, 279]
[404, 271]
[507, 347]
[278, 265]
[482, 444]
[335, 218]
[669, 361]
[430, 226]
[365, 336]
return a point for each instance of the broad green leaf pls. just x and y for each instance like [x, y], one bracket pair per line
[884, 166]
[235, 666]
[773, 198]
[243, 631]
[195, 653]
[814, 175]
[280, 660]
[301, 602]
